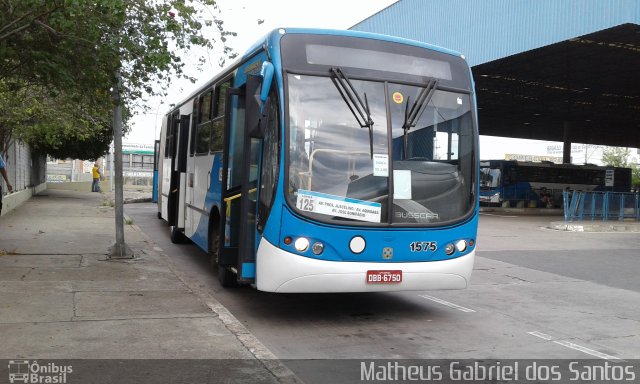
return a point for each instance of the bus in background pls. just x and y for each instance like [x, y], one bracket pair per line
[328, 161]
[510, 183]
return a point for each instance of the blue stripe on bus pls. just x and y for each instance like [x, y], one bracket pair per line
[336, 239]
[248, 270]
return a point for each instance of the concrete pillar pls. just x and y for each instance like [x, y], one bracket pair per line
[566, 148]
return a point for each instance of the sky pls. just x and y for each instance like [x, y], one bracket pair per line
[242, 17]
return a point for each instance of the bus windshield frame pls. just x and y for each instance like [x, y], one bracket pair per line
[448, 117]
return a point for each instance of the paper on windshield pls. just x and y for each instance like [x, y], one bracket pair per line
[338, 206]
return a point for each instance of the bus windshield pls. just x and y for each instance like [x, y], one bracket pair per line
[334, 176]
[489, 178]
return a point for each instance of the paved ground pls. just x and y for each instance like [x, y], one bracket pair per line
[535, 293]
[60, 297]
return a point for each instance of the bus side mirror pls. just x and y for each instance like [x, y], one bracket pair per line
[267, 78]
[258, 88]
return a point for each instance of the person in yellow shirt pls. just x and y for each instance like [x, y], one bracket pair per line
[95, 187]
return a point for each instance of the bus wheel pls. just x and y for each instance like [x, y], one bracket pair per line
[159, 215]
[177, 236]
[225, 275]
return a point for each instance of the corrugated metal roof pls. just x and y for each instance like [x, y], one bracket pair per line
[485, 30]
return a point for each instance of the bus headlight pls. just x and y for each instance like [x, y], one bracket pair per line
[317, 248]
[301, 244]
[357, 244]
[461, 245]
[449, 249]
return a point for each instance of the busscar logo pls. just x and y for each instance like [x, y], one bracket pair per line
[25, 371]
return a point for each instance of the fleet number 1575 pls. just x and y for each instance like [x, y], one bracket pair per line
[423, 246]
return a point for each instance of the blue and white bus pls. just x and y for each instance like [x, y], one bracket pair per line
[525, 184]
[328, 161]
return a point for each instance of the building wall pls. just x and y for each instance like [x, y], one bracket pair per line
[24, 168]
[485, 30]
[137, 168]
[26, 171]
[59, 171]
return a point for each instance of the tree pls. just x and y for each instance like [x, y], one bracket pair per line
[619, 157]
[62, 55]
[635, 175]
[615, 156]
[58, 125]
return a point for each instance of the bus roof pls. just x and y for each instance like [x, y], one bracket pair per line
[350, 33]
[493, 163]
[272, 37]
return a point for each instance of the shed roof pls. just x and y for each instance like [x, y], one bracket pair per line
[539, 65]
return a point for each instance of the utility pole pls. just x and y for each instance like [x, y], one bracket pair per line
[119, 249]
[111, 168]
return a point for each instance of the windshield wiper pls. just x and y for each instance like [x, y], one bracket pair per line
[412, 116]
[350, 96]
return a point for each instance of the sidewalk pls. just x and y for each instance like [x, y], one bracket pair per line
[596, 226]
[60, 298]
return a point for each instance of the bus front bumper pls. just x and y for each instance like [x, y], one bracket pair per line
[281, 271]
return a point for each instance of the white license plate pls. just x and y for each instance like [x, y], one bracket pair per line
[384, 277]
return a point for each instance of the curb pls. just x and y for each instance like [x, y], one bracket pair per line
[271, 363]
[137, 200]
[524, 211]
[620, 227]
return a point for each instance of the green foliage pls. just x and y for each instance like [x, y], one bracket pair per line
[59, 58]
[60, 125]
[616, 156]
[635, 175]
[619, 157]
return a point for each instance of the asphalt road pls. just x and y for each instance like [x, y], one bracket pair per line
[611, 259]
[535, 294]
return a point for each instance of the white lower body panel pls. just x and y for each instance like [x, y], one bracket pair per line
[281, 271]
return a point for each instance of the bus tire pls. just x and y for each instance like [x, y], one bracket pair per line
[159, 215]
[177, 236]
[225, 275]
[214, 242]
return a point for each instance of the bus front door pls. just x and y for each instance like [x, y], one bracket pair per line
[175, 218]
[237, 257]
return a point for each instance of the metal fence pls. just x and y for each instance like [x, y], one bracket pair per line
[526, 197]
[601, 206]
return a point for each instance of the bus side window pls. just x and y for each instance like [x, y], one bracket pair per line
[220, 98]
[168, 139]
[203, 130]
[194, 127]
[217, 134]
[217, 129]
[204, 112]
[171, 139]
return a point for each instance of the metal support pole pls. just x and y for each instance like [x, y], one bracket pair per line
[566, 148]
[111, 170]
[119, 249]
